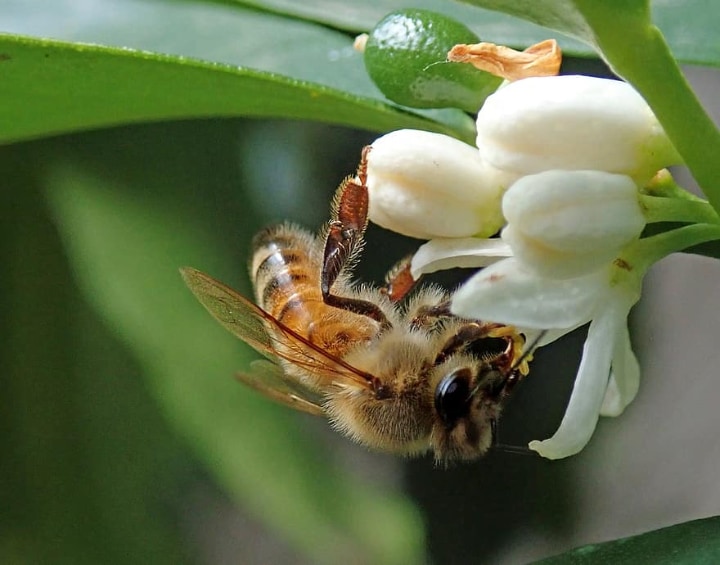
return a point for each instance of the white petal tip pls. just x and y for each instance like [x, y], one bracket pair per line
[551, 449]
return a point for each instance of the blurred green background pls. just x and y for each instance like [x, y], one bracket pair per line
[122, 422]
[125, 438]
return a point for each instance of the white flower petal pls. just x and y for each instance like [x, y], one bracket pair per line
[624, 377]
[439, 254]
[575, 210]
[572, 122]
[583, 411]
[507, 292]
[554, 263]
[429, 185]
[565, 224]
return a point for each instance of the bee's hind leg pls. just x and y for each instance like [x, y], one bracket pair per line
[344, 241]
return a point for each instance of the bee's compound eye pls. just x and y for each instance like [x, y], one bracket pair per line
[452, 396]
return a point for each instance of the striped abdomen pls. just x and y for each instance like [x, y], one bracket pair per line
[285, 271]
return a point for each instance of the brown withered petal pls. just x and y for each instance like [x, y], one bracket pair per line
[541, 59]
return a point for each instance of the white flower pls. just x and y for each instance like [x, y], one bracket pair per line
[565, 228]
[566, 156]
[564, 224]
[572, 122]
[429, 185]
[608, 377]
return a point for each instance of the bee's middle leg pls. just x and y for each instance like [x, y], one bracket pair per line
[399, 280]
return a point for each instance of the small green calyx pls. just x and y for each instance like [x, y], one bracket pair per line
[406, 57]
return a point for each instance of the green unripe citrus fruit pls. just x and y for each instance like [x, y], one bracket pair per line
[405, 55]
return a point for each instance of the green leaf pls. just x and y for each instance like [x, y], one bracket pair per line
[690, 25]
[93, 86]
[126, 246]
[240, 37]
[206, 31]
[223, 61]
[691, 543]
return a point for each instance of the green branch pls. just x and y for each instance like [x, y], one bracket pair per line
[638, 52]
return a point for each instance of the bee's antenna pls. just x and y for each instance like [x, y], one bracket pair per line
[515, 449]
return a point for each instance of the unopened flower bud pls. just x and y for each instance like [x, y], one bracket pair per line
[565, 224]
[428, 185]
[573, 123]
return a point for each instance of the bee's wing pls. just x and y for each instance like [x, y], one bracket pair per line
[232, 310]
[250, 323]
[269, 379]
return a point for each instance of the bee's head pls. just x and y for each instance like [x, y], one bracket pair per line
[468, 400]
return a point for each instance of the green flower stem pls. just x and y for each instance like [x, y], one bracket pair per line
[660, 209]
[637, 51]
[643, 253]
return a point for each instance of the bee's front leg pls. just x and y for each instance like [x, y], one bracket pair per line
[430, 314]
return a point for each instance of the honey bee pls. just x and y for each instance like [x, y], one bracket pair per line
[402, 376]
